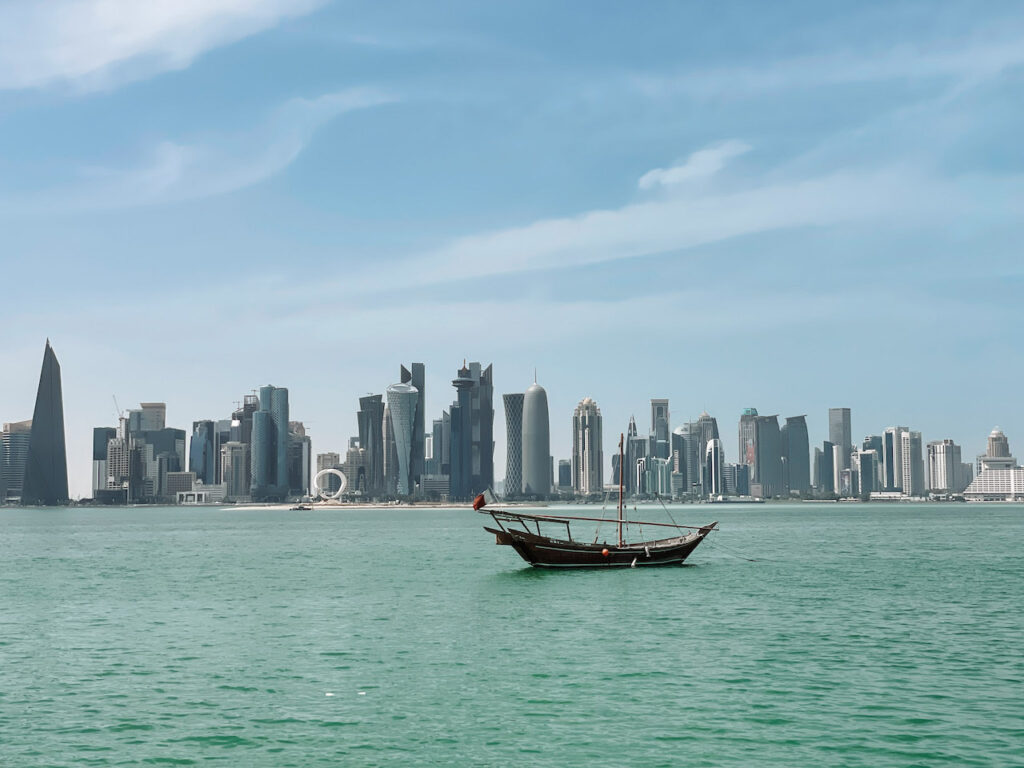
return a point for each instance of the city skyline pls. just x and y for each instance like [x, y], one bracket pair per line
[892, 459]
[828, 196]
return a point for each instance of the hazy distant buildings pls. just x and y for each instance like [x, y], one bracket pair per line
[760, 448]
[747, 451]
[636, 450]
[513, 444]
[403, 400]
[46, 468]
[331, 483]
[536, 442]
[824, 469]
[587, 453]
[564, 475]
[269, 447]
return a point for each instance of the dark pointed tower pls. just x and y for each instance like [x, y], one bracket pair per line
[46, 471]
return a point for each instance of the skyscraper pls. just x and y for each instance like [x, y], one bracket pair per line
[587, 452]
[636, 450]
[417, 452]
[202, 458]
[390, 453]
[659, 428]
[101, 437]
[403, 400]
[840, 433]
[892, 458]
[14, 442]
[269, 451]
[46, 469]
[945, 467]
[300, 459]
[766, 474]
[536, 442]
[371, 439]
[513, 444]
[748, 435]
[796, 452]
[714, 462]
[913, 464]
[471, 450]
[825, 475]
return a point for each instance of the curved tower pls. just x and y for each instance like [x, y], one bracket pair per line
[536, 442]
[402, 402]
[514, 443]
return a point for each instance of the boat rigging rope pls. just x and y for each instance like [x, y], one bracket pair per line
[662, 500]
[715, 544]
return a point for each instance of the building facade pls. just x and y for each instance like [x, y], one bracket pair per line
[513, 444]
[587, 452]
[536, 443]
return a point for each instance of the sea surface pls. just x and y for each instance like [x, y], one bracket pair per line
[801, 635]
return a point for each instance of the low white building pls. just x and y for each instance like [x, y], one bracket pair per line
[997, 485]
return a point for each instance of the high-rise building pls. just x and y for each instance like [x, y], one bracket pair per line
[564, 475]
[660, 447]
[536, 442]
[416, 376]
[945, 467]
[403, 400]
[14, 443]
[371, 439]
[747, 441]
[892, 458]
[840, 433]
[865, 465]
[715, 464]
[825, 472]
[796, 454]
[390, 454]
[587, 452]
[513, 444]
[637, 448]
[998, 454]
[300, 459]
[202, 456]
[101, 437]
[46, 469]
[269, 449]
[766, 478]
[471, 449]
[236, 470]
[913, 464]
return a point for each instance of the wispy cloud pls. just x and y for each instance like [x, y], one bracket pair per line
[976, 60]
[173, 171]
[701, 164]
[94, 43]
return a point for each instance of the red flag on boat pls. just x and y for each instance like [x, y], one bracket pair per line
[479, 502]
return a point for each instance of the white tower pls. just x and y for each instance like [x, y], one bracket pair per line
[536, 442]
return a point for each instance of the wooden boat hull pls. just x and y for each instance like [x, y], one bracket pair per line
[545, 552]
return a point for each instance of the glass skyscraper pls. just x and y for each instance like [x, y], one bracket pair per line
[513, 444]
[269, 450]
[46, 468]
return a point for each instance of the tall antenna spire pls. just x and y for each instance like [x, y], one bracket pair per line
[534, 374]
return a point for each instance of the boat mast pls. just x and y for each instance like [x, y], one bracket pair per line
[622, 469]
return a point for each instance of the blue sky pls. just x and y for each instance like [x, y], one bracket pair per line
[782, 205]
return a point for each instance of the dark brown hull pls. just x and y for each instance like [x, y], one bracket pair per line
[545, 552]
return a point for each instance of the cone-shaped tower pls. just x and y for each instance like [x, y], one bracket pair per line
[46, 470]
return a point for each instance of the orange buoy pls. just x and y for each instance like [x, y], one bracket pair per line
[605, 552]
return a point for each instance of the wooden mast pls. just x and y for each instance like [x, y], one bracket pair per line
[622, 469]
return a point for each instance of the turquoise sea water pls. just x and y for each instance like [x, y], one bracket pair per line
[864, 635]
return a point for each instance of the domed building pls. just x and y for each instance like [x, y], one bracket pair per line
[536, 442]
